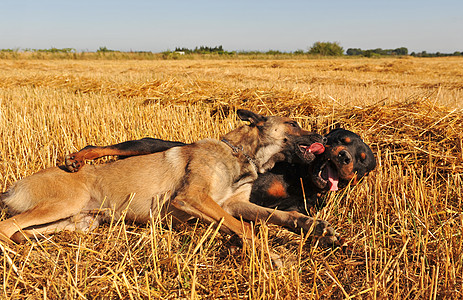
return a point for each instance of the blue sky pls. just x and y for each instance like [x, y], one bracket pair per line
[284, 25]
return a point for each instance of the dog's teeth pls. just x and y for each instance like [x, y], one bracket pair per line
[323, 166]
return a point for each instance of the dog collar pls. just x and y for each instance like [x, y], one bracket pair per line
[236, 150]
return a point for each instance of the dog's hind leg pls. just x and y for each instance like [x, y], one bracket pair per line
[46, 211]
[82, 222]
[74, 161]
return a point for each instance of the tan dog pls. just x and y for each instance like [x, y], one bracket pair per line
[209, 179]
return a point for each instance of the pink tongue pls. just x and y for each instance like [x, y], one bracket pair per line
[333, 179]
[316, 148]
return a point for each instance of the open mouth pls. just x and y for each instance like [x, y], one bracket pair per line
[327, 176]
[309, 151]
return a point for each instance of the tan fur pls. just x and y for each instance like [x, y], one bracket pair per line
[205, 179]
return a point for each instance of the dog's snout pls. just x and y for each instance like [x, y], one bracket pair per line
[344, 157]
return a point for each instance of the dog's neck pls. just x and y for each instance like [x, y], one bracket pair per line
[247, 139]
[239, 149]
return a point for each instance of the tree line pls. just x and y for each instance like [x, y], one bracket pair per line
[334, 49]
[377, 52]
[317, 49]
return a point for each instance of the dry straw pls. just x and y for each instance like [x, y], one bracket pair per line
[404, 222]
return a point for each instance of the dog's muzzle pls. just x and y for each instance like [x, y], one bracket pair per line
[309, 151]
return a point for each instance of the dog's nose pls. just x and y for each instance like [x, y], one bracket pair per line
[344, 157]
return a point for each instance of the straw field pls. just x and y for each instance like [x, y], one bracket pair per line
[404, 222]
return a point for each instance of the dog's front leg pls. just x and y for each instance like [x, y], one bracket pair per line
[293, 220]
[207, 209]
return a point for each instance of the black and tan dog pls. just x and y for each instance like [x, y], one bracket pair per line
[298, 187]
[209, 179]
[290, 185]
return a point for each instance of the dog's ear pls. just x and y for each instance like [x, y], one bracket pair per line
[253, 118]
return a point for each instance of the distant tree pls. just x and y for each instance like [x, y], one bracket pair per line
[372, 53]
[378, 52]
[203, 50]
[354, 51]
[400, 51]
[273, 52]
[326, 49]
[104, 49]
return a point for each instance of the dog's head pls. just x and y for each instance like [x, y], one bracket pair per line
[280, 138]
[346, 160]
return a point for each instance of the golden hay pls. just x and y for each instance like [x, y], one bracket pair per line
[404, 222]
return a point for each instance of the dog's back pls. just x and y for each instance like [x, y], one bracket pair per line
[141, 181]
[143, 177]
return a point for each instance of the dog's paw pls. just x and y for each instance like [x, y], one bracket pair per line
[322, 230]
[330, 239]
[73, 162]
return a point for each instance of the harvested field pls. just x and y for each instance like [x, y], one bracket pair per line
[404, 222]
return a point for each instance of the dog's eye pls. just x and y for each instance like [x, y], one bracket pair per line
[294, 124]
